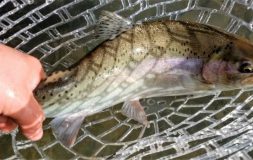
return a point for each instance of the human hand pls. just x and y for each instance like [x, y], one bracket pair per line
[19, 76]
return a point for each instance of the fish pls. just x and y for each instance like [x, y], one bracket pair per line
[135, 61]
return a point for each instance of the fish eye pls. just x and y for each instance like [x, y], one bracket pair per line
[246, 68]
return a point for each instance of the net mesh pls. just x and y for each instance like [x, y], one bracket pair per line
[59, 32]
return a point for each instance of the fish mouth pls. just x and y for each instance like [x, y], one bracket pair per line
[248, 81]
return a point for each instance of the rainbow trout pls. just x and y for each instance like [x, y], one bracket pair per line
[151, 59]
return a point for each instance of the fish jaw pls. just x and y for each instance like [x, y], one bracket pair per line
[248, 82]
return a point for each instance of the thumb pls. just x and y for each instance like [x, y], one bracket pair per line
[7, 124]
[30, 119]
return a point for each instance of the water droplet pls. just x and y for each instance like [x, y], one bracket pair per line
[49, 1]
[30, 1]
[161, 103]
[150, 102]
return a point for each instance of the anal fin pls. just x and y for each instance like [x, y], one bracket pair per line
[66, 128]
[133, 109]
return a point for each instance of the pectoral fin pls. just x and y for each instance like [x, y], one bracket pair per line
[133, 109]
[66, 128]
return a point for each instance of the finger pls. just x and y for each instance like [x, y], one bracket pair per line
[7, 124]
[42, 76]
[38, 74]
[30, 119]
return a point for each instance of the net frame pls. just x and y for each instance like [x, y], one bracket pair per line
[223, 119]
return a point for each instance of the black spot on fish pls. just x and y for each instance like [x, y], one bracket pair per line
[51, 104]
[227, 47]
[225, 58]
[59, 95]
[66, 91]
[43, 97]
[51, 94]
[217, 50]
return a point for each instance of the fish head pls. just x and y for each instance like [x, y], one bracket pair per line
[230, 65]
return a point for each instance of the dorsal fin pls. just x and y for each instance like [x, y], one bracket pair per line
[110, 25]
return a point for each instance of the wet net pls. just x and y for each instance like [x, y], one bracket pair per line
[59, 32]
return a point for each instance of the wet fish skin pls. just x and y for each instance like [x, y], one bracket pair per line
[152, 59]
[166, 42]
